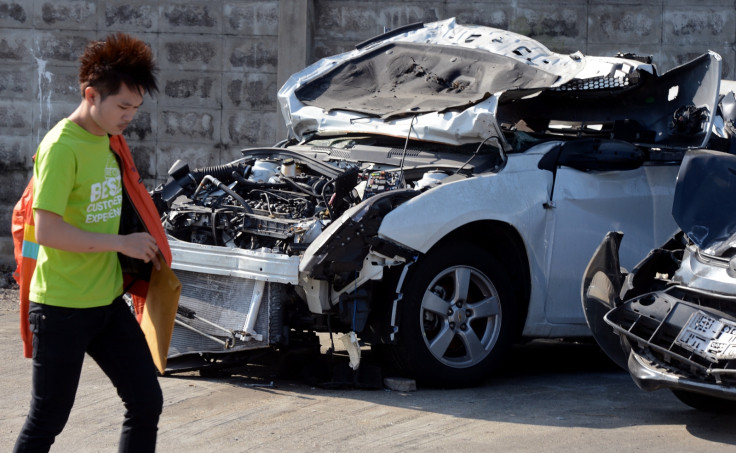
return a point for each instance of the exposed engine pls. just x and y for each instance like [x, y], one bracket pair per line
[254, 203]
[273, 202]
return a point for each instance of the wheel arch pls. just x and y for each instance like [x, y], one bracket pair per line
[504, 242]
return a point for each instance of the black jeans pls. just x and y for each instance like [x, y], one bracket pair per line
[113, 338]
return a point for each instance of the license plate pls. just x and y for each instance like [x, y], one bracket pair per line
[708, 337]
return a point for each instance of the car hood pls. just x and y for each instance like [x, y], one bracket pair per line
[705, 200]
[437, 82]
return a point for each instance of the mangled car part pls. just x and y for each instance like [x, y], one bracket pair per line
[672, 321]
[439, 194]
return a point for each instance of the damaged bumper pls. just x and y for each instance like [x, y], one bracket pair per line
[667, 336]
[650, 375]
[676, 344]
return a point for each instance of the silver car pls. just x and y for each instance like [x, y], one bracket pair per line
[438, 197]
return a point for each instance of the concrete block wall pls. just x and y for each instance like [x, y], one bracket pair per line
[222, 61]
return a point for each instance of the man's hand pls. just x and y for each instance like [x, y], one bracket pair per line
[141, 246]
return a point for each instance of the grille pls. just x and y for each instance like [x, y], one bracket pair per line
[224, 301]
[596, 83]
[398, 152]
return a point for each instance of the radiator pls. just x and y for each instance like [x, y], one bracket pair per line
[221, 303]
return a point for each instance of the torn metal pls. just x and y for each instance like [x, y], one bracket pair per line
[672, 321]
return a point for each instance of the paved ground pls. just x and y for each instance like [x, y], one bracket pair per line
[553, 397]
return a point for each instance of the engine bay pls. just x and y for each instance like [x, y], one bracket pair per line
[281, 199]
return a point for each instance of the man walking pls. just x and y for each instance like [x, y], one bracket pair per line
[76, 290]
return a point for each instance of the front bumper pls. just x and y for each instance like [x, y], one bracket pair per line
[665, 335]
[649, 375]
[676, 343]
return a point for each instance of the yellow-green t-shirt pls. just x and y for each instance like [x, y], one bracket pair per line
[77, 176]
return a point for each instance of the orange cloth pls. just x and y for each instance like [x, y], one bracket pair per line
[26, 251]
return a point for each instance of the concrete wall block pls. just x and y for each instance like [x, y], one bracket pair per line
[258, 18]
[16, 84]
[190, 16]
[6, 212]
[130, 15]
[177, 125]
[143, 126]
[561, 28]
[702, 25]
[327, 47]
[495, 15]
[691, 3]
[250, 91]
[403, 13]
[46, 114]
[196, 155]
[14, 183]
[17, 46]
[18, 181]
[57, 83]
[349, 20]
[250, 54]
[65, 14]
[15, 119]
[15, 154]
[190, 52]
[15, 14]
[632, 24]
[190, 88]
[62, 46]
[144, 156]
[728, 54]
[244, 129]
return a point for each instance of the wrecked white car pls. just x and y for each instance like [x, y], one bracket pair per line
[672, 321]
[441, 191]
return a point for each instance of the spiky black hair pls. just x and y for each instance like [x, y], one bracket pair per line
[120, 58]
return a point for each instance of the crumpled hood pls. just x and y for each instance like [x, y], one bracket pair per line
[439, 81]
[705, 200]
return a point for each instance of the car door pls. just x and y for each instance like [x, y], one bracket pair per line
[587, 203]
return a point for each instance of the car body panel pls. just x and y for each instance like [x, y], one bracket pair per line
[557, 258]
[591, 204]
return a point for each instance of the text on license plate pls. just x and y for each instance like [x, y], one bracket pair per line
[708, 337]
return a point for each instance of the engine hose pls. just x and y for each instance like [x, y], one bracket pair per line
[225, 188]
[237, 197]
[297, 186]
[220, 172]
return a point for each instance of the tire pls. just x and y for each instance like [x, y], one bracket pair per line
[457, 318]
[706, 403]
